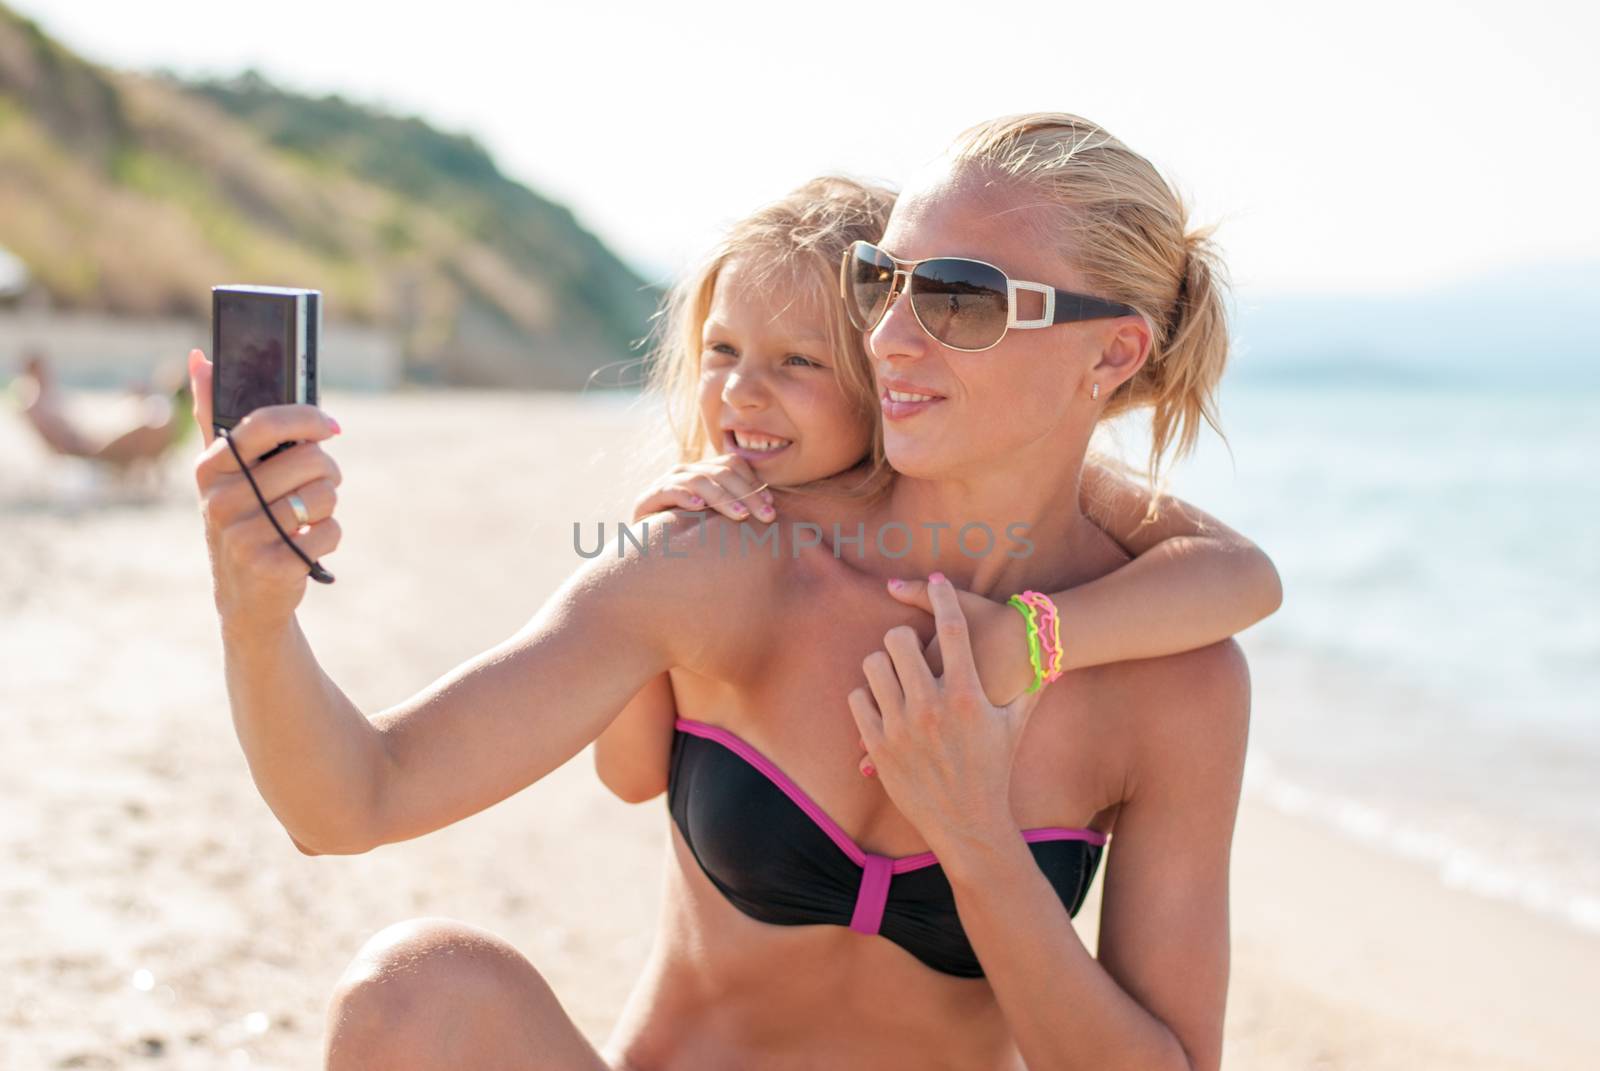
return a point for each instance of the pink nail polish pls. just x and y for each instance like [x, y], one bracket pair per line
[937, 578]
[869, 769]
[333, 424]
[895, 583]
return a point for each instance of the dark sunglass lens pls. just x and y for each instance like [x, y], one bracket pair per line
[868, 278]
[962, 303]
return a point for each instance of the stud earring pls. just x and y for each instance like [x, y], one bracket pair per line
[1094, 393]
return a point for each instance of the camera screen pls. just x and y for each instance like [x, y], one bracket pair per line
[253, 346]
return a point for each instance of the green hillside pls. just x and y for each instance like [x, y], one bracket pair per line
[134, 193]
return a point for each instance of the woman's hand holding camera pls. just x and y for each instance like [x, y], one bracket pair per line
[254, 575]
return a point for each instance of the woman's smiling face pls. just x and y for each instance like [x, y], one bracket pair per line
[946, 410]
[769, 389]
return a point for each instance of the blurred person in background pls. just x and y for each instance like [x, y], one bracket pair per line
[163, 420]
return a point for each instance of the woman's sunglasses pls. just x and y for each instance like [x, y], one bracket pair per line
[965, 304]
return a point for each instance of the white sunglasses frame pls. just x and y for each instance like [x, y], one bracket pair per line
[1013, 287]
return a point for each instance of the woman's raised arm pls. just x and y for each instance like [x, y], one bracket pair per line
[507, 718]
[500, 721]
[342, 783]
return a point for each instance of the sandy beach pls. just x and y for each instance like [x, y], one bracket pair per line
[153, 913]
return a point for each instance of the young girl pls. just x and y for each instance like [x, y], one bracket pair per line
[767, 384]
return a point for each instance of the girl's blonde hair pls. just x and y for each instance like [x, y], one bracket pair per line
[795, 242]
[1127, 230]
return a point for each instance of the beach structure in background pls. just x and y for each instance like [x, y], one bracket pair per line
[96, 351]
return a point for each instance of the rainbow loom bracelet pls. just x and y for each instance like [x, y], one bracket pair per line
[1025, 608]
[1043, 617]
[1055, 637]
[1049, 632]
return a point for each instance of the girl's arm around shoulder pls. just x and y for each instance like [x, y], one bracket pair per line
[508, 717]
[1193, 580]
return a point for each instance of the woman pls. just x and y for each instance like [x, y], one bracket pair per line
[766, 382]
[769, 648]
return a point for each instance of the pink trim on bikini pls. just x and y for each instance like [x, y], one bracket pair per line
[873, 895]
[878, 869]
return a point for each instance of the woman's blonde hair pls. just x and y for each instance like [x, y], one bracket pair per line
[1127, 230]
[796, 242]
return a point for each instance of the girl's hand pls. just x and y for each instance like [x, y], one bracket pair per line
[725, 483]
[999, 639]
[942, 750]
[254, 576]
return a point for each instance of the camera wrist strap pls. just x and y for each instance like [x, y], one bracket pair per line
[318, 573]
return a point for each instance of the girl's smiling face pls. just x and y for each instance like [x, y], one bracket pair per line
[769, 385]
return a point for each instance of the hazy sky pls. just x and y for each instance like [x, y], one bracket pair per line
[1347, 147]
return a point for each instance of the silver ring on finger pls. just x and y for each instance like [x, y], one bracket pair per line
[302, 516]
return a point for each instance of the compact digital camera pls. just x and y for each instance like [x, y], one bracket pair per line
[264, 350]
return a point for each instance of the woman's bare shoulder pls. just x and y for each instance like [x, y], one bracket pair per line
[1189, 712]
[698, 572]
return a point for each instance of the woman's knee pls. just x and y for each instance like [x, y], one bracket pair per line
[426, 992]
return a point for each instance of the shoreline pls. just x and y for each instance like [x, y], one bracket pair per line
[1472, 981]
[1452, 862]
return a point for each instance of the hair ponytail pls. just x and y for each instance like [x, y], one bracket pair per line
[1186, 364]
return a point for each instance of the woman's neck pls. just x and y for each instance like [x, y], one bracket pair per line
[1033, 512]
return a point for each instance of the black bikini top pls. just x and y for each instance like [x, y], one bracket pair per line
[780, 859]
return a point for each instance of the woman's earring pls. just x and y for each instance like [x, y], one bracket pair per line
[1094, 393]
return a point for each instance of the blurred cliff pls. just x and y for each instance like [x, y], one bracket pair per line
[125, 196]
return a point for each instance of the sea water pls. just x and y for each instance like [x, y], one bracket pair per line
[1431, 683]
